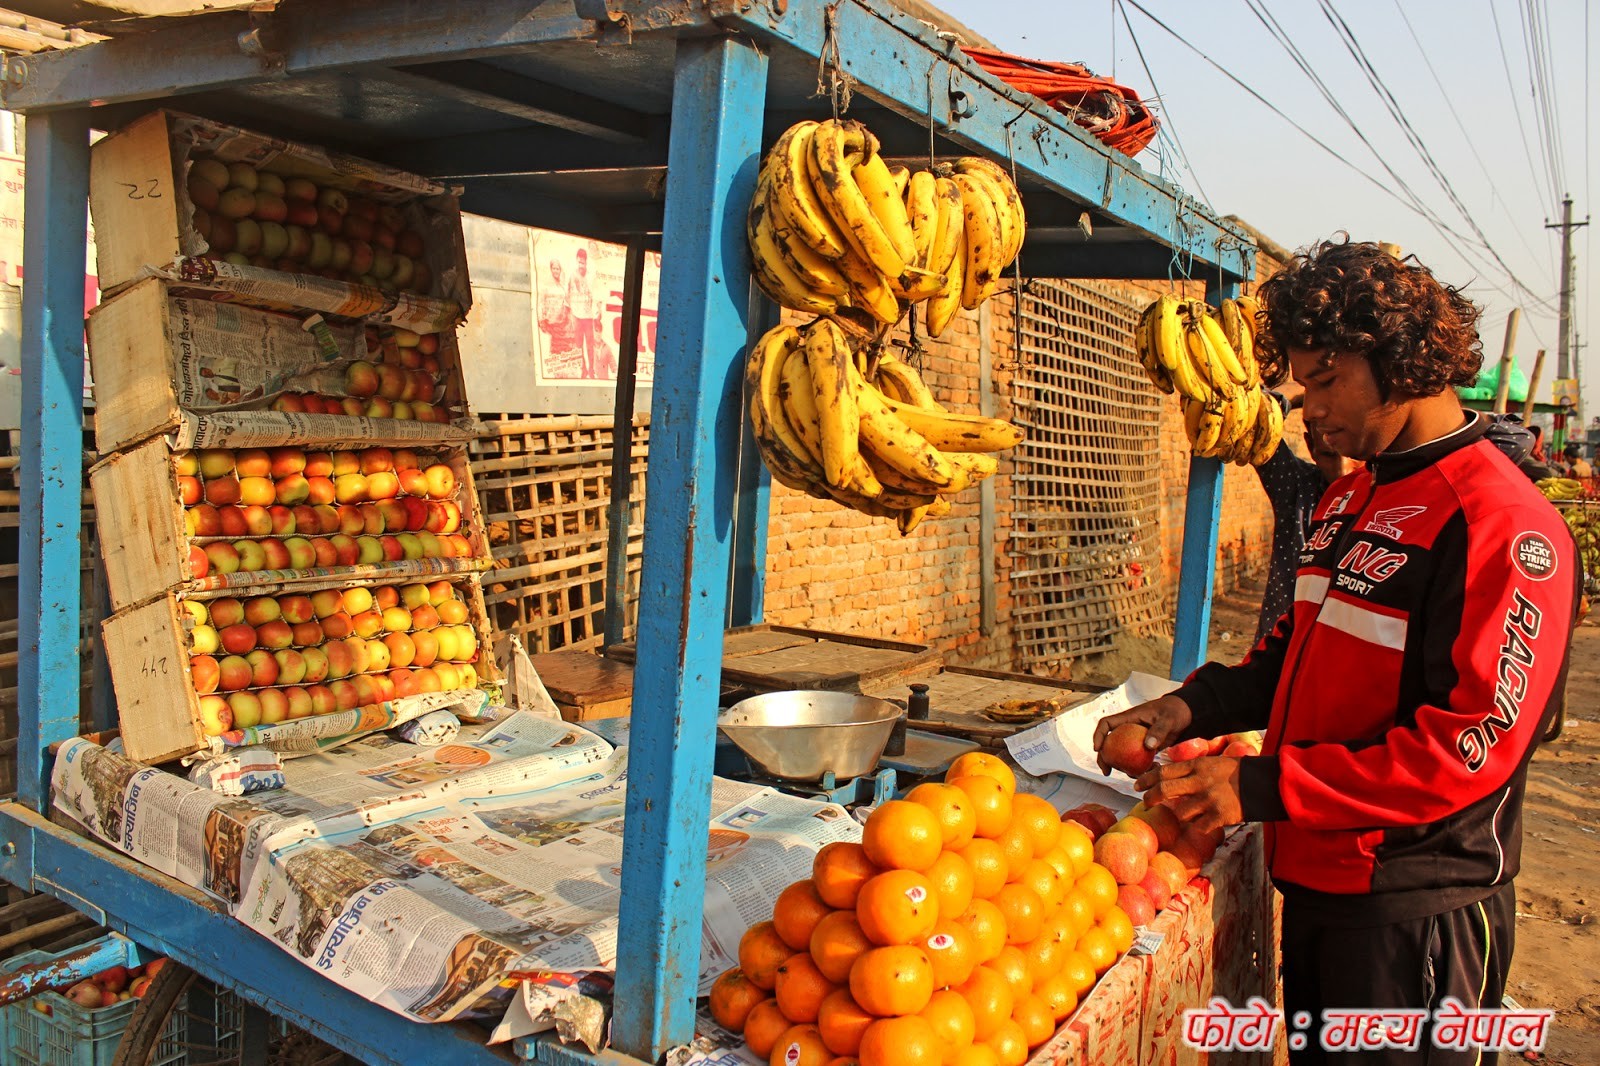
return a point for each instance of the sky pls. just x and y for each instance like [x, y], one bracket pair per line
[1229, 149]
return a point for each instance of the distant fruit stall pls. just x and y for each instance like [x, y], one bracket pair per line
[297, 503]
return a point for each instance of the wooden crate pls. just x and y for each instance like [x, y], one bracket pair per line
[586, 686]
[148, 649]
[767, 658]
[144, 220]
[173, 360]
[146, 546]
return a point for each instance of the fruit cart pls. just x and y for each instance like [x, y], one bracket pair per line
[624, 120]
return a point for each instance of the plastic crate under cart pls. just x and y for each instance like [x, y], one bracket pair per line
[69, 1035]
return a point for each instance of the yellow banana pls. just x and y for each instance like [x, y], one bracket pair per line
[1249, 313]
[922, 205]
[910, 520]
[1232, 321]
[943, 305]
[1192, 410]
[955, 432]
[1204, 360]
[1144, 344]
[912, 389]
[798, 397]
[870, 291]
[901, 176]
[1270, 433]
[946, 249]
[793, 195]
[982, 230]
[968, 468]
[772, 272]
[1010, 205]
[816, 272]
[894, 442]
[939, 507]
[836, 146]
[916, 284]
[1222, 351]
[885, 196]
[782, 450]
[831, 363]
[1169, 340]
[1209, 428]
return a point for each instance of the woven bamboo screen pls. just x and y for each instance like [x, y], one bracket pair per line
[544, 484]
[1085, 542]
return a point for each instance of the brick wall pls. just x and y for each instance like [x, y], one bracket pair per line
[835, 569]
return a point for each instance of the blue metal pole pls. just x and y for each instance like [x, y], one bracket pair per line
[55, 208]
[1197, 567]
[752, 505]
[717, 105]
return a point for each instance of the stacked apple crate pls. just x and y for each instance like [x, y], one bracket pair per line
[287, 515]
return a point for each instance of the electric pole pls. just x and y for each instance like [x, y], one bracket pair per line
[1564, 341]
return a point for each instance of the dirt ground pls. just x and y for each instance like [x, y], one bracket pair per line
[1557, 959]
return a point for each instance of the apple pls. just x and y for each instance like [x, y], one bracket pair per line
[345, 696]
[368, 624]
[301, 189]
[383, 485]
[260, 609]
[341, 254]
[318, 464]
[447, 643]
[290, 403]
[393, 512]
[302, 556]
[360, 251]
[223, 491]
[424, 411]
[449, 677]
[431, 548]
[378, 407]
[377, 656]
[321, 252]
[237, 204]
[368, 551]
[275, 635]
[405, 683]
[307, 634]
[393, 550]
[427, 646]
[372, 521]
[299, 239]
[223, 556]
[410, 545]
[331, 223]
[232, 521]
[338, 625]
[385, 597]
[300, 703]
[316, 664]
[459, 546]
[233, 673]
[357, 599]
[424, 617]
[366, 690]
[325, 554]
[226, 612]
[190, 489]
[358, 228]
[383, 242]
[322, 701]
[416, 513]
[361, 378]
[413, 482]
[295, 609]
[293, 489]
[350, 488]
[391, 382]
[247, 236]
[274, 237]
[291, 666]
[401, 409]
[220, 237]
[405, 269]
[257, 520]
[353, 407]
[258, 491]
[452, 516]
[283, 521]
[246, 709]
[89, 995]
[204, 673]
[276, 556]
[216, 718]
[205, 181]
[469, 676]
[199, 562]
[303, 215]
[326, 517]
[385, 687]
[397, 620]
[340, 661]
[357, 647]
[204, 639]
[274, 706]
[347, 550]
[441, 481]
[466, 641]
[402, 649]
[427, 680]
[326, 602]
[452, 612]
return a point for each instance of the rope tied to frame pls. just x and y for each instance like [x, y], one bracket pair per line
[832, 79]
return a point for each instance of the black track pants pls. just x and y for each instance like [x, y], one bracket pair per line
[1463, 953]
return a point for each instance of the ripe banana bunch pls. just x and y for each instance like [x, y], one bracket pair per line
[1560, 488]
[1585, 525]
[832, 226]
[882, 446]
[1245, 428]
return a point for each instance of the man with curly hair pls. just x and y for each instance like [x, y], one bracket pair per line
[1404, 692]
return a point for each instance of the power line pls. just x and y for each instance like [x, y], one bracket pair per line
[1511, 88]
[1167, 126]
[1541, 104]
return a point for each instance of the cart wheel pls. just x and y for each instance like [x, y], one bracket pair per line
[186, 1018]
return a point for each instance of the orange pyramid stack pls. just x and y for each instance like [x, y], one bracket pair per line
[961, 931]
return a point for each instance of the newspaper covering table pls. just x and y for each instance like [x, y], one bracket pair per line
[448, 882]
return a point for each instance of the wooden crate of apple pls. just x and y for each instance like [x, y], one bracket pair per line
[113, 985]
[173, 360]
[193, 668]
[219, 518]
[170, 186]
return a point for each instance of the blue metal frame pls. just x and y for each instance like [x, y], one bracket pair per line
[705, 529]
[1197, 565]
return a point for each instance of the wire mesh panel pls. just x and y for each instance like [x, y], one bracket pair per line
[1085, 542]
[544, 485]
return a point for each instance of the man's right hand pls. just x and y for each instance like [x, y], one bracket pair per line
[1165, 718]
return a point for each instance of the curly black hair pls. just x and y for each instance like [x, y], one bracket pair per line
[1355, 298]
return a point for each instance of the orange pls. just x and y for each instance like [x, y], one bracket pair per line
[974, 1055]
[1023, 912]
[844, 1060]
[987, 863]
[897, 907]
[1076, 842]
[1040, 819]
[951, 809]
[982, 764]
[732, 996]
[1097, 947]
[990, 998]
[761, 952]
[952, 951]
[1059, 994]
[1017, 845]
[802, 988]
[763, 1026]
[1101, 888]
[1058, 929]
[797, 913]
[842, 1021]
[1045, 882]
[1010, 1044]
[1079, 972]
[839, 871]
[951, 879]
[836, 943]
[1077, 908]
[1044, 957]
[1036, 1020]
[951, 1020]
[901, 835]
[892, 982]
[991, 803]
[1119, 927]
[799, 1045]
[900, 1042]
[1061, 863]
[1012, 965]
[987, 926]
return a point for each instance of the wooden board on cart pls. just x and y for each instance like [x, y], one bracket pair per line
[958, 696]
[585, 686]
[769, 658]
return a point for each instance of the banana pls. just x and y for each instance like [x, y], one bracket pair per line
[1144, 344]
[772, 272]
[912, 389]
[946, 249]
[794, 196]
[835, 148]
[1232, 321]
[917, 284]
[922, 205]
[885, 195]
[982, 229]
[1249, 313]
[781, 448]
[910, 520]
[870, 291]
[1270, 431]
[943, 305]
[892, 441]
[955, 432]
[1008, 205]
[939, 507]
[799, 398]
[901, 176]
[1169, 340]
[1222, 351]
[968, 468]
[1204, 360]
[832, 363]
[816, 272]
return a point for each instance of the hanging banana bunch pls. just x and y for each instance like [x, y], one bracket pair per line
[1207, 356]
[832, 226]
[880, 445]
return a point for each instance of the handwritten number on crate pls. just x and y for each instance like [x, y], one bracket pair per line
[149, 189]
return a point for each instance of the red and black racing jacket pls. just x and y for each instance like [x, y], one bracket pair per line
[1405, 691]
